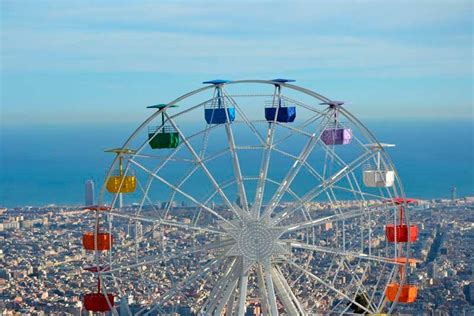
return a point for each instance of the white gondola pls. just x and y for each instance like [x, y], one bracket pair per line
[378, 176]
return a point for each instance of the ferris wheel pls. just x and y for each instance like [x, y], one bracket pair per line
[251, 194]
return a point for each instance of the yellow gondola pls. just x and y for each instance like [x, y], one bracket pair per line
[118, 182]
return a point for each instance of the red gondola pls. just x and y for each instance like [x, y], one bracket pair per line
[401, 232]
[97, 302]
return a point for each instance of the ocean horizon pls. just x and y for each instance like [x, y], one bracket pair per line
[49, 164]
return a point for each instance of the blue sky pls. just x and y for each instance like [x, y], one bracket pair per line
[91, 61]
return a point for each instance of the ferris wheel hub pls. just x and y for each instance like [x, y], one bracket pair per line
[256, 241]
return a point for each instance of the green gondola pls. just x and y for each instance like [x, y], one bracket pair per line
[164, 136]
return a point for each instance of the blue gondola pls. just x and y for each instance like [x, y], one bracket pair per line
[218, 115]
[286, 114]
[283, 113]
[217, 112]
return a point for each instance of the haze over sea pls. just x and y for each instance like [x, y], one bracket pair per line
[43, 165]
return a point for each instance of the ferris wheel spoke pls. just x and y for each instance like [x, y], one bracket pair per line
[329, 151]
[178, 254]
[262, 290]
[302, 104]
[286, 295]
[360, 285]
[329, 219]
[389, 279]
[215, 155]
[163, 158]
[189, 174]
[227, 298]
[243, 284]
[182, 192]
[308, 166]
[156, 170]
[290, 191]
[299, 129]
[266, 145]
[187, 281]
[204, 145]
[326, 284]
[264, 164]
[342, 253]
[333, 278]
[212, 300]
[294, 170]
[319, 177]
[313, 172]
[357, 189]
[180, 184]
[318, 190]
[262, 175]
[223, 185]
[295, 130]
[164, 222]
[246, 120]
[235, 161]
[204, 168]
[270, 290]
[146, 197]
[362, 193]
[236, 282]
[376, 286]
[171, 155]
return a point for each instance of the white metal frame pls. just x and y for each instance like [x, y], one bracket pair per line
[286, 232]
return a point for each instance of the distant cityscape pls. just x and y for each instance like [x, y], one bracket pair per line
[42, 260]
[236, 158]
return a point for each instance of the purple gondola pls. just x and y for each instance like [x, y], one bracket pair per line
[337, 136]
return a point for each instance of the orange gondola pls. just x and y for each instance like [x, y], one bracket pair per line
[408, 293]
[104, 241]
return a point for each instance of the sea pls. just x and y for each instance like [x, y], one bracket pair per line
[49, 164]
